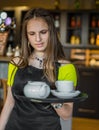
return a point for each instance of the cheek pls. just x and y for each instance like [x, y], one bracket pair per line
[32, 45]
[47, 37]
[31, 39]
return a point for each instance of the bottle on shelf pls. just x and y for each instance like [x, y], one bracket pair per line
[57, 23]
[77, 40]
[17, 51]
[9, 51]
[93, 22]
[78, 21]
[92, 38]
[72, 39]
[97, 40]
[98, 23]
[73, 22]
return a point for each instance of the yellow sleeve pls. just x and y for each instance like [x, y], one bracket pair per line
[11, 73]
[68, 72]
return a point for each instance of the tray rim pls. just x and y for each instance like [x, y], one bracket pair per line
[81, 97]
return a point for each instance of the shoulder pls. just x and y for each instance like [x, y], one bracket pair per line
[67, 71]
[66, 65]
[14, 65]
[17, 61]
[63, 61]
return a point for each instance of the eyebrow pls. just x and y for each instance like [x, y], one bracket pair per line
[39, 31]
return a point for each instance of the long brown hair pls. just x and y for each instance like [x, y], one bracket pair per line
[54, 51]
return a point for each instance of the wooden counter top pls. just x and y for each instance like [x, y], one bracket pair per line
[5, 58]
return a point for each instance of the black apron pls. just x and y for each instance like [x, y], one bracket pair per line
[27, 115]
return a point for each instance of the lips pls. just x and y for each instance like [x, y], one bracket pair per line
[39, 45]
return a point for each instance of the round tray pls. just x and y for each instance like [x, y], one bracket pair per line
[53, 99]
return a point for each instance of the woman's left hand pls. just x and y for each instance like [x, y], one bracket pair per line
[64, 110]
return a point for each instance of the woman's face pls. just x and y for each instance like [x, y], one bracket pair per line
[38, 34]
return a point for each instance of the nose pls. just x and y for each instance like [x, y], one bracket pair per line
[38, 37]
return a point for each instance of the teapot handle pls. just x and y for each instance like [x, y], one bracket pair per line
[45, 91]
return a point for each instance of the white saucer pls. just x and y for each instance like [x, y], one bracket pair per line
[65, 95]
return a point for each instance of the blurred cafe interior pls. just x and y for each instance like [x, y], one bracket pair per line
[77, 24]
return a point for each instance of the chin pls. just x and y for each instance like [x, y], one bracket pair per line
[40, 49]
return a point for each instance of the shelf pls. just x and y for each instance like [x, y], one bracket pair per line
[5, 59]
[68, 45]
[85, 57]
[74, 28]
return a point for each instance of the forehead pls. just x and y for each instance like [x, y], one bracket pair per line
[37, 24]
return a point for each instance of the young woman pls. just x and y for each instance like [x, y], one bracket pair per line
[42, 60]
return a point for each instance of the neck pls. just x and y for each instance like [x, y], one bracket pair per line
[39, 55]
[38, 59]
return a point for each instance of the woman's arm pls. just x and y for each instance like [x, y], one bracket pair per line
[8, 106]
[66, 72]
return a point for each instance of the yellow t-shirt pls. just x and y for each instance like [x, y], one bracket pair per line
[11, 73]
[66, 72]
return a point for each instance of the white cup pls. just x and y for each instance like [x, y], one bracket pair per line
[39, 90]
[64, 85]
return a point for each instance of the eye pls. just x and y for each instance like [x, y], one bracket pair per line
[32, 33]
[44, 31]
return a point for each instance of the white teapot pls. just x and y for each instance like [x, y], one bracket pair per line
[36, 89]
